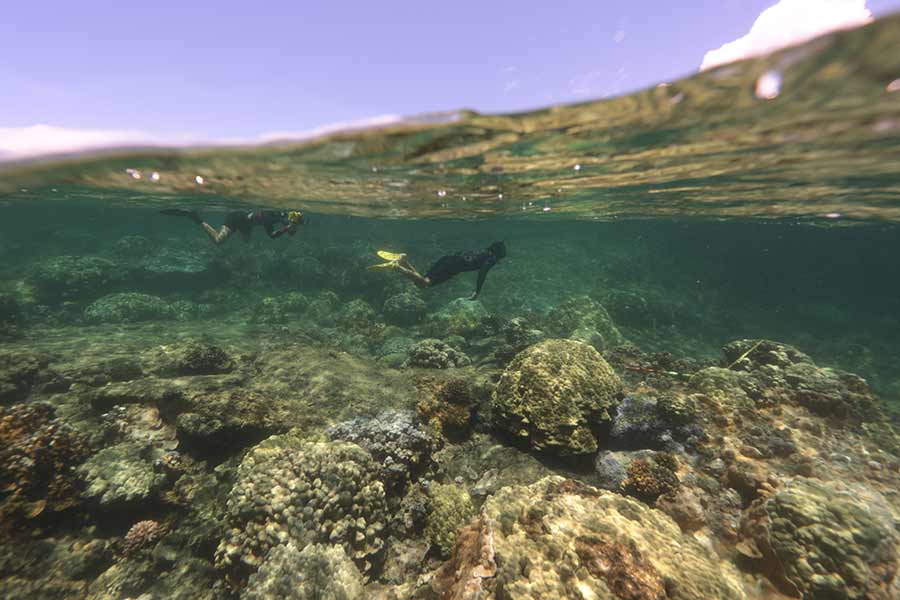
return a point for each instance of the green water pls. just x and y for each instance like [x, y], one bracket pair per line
[694, 213]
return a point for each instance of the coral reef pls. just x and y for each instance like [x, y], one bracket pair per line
[819, 539]
[449, 409]
[37, 455]
[128, 307]
[123, 474]
[76, 278]
[281, 309]
[394, 440]
[141, 536]
[462, 317]
[553, 394]
[450, 510]
[317, 572]
[288, 490]
[561, 539]
[10, 317]
[584, 319]
[405, 308]
[435, 354]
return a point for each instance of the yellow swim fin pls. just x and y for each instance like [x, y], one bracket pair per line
[389, 255]
[386, 265]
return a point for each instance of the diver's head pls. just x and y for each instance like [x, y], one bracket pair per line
[295, 217]
[498, 249]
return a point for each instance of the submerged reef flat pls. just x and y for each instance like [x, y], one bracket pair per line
[270, 421]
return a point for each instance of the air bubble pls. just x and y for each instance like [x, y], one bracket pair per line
[576, 168]
[441, 193]
[199, 179]
[154, 176]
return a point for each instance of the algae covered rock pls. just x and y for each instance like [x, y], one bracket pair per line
[458, 317]
[404, 309]
[818, 539]
[73, 278]
[561, 539]
[584, 319]
[10, 317]
[128, 307]
[774, 372]
[435, 354]
[317, 572]
[122, 474]
[288, 490]
[450, 510]
[18, 373]
[395, 440]
[554, 394]
[280, 309]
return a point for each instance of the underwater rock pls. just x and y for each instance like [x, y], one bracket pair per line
[288, 490]
[515, 335]
[558, 538]
[644, 421]
[450, 510]
[450, 408]
[323, 309]
[317, 572]
[128, 307]
[554, 394]
[395, 440]
[435, 354]
[133, 246]
[404, 309]
[280, 309]
[817, 539]
[37, 455]
[179, 268]
[197, 358]
[10, 317]
[610, 469]
[19, 371]
[357, 316]
[74, 278]
[462, 316]
[629, 308]
[584, 319]
[123, 474]
[780, 373]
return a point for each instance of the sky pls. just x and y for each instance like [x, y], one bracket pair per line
[92, 72]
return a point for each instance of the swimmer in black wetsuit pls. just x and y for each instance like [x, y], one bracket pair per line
[243, 222]
[447, 267]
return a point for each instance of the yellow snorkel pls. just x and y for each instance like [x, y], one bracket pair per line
[295, 217]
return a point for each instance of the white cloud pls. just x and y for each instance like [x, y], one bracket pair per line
[790, 22]
[37, 140]
[17, 143]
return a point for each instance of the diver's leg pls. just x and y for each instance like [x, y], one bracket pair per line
[216, 236]
[409, 271]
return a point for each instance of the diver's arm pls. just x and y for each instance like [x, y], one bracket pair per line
[278, 232]
[482, 274]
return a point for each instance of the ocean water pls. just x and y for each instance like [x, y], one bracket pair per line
[727, 244]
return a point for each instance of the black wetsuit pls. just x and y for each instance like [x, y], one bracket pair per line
[242, 221]
[452, 265]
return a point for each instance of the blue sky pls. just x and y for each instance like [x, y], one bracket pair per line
[222, 69]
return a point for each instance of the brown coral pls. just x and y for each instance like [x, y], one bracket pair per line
[142, 535]
[624, 569]
[649, 480]
[450, 407]
[37, 454]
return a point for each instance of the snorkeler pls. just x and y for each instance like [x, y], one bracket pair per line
[447, 267]
[243, 222]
